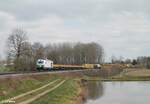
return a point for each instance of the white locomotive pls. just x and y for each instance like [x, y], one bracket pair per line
[44, 64]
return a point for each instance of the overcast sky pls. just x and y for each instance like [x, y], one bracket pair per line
[121, 26]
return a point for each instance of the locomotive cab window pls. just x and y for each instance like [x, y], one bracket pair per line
[40, 62]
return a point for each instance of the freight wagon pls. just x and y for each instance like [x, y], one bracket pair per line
[45, 64]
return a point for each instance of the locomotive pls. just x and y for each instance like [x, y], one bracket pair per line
[45, 64]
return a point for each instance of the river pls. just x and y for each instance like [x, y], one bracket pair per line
[118, 92]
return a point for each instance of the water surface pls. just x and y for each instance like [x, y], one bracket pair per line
[118, 93]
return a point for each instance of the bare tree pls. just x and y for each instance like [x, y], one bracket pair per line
[144, 61]
[127, 61]
[38, 50]
[80, 53]
[16, 43]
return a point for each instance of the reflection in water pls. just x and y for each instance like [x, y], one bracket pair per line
[118, 92]
[94, 89]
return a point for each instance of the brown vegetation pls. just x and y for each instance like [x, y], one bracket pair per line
[138, 72]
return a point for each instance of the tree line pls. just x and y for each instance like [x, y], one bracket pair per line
[122, 60]
[141, 61]
[144, 61]
[23, 54]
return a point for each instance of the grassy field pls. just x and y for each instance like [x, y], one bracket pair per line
[131, 75]
[67, 93]
[138, 73]
[11, 87]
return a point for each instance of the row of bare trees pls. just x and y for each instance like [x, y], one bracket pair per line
[79, 53]
[144, 61]
[23, 54]
[141, 61]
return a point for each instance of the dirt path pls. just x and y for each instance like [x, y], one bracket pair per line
[12, 100]
[42, 94]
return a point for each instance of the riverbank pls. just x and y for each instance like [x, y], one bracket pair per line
[126, 75]
[131, 75]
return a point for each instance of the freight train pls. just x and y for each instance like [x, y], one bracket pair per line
[45, 64]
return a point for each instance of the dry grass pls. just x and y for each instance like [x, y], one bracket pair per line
[139, 73]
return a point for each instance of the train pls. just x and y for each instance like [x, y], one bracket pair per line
[46, 64]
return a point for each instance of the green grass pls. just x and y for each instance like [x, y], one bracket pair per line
[129, 78]
[4, 69]
[65, 94]
[132, 75]
[118, 78]
[26, 97]
[11, 87]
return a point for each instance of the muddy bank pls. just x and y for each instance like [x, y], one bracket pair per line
[89, 90]
[83, 93]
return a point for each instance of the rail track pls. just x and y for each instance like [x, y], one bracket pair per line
[13, 74]
[81, 72]
[37, 72]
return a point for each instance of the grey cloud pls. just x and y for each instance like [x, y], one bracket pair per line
[27, 9]
[119, 25]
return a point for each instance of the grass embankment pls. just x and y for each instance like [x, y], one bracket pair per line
[131, 75]
[11, 87]
[126, 75]
[34, 94]
[67, 93]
